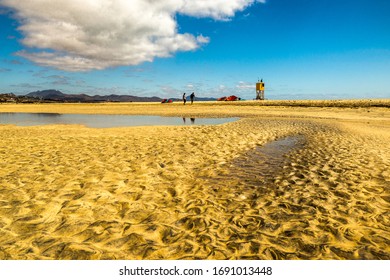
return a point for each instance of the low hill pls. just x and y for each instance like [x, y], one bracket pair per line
[52, 95]
[12, 98]
[58, 96]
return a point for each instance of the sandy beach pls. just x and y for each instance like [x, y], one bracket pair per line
[282, 182]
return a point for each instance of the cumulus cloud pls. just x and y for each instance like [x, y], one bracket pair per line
[75, 35]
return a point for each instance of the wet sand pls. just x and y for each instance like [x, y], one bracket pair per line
[280, 183]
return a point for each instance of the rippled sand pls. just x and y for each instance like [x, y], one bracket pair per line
[311, 185]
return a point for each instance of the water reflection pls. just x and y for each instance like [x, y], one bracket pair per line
[191, 119]
[102, 121]
[45, 115]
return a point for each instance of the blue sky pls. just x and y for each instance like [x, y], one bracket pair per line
[303, 49]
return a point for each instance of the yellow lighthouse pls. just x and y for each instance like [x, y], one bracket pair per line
[260, 90]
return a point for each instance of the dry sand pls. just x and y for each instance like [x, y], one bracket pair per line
[240, 190]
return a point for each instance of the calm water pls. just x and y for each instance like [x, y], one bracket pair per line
[103, 121]
[258, 166]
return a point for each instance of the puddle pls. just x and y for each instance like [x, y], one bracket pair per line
[271, 156]
[260, 165]
[103, 121]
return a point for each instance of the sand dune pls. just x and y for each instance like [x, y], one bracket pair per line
[313, 184]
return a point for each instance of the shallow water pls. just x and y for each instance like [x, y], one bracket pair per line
[103, 121]
[268, 159]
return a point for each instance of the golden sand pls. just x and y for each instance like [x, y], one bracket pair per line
[198, 192]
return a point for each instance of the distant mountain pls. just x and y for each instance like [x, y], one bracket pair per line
[58, 96]
[47, 94]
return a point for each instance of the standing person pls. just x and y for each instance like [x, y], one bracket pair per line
[192, 96]
[184, 99]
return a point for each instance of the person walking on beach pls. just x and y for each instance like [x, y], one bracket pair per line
[192, 96]
[184, 99]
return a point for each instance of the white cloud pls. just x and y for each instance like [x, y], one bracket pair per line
[75, 35]
[217, 9]
[245, 86]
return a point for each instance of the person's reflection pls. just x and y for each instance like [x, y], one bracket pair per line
[191, 119]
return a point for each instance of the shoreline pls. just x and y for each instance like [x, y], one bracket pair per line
[214, 109]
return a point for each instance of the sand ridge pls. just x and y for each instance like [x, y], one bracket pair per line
[70, 192]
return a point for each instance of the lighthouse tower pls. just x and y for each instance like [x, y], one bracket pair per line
[260, 90]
